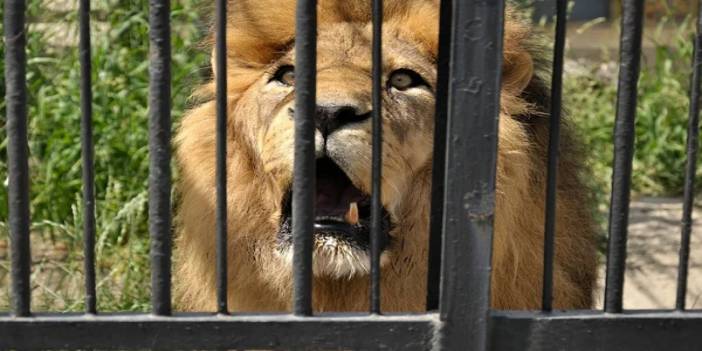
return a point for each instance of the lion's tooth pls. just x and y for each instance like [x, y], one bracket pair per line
[351, 216]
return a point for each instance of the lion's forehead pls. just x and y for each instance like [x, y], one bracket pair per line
[350, 45]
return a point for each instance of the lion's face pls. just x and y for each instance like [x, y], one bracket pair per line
[261, 94]
[343, 141]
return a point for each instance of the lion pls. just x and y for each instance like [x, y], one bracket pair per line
[260, 95]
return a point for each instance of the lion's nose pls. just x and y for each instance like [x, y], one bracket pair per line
[332, 117]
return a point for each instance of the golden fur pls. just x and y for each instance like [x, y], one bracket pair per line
[260, 144]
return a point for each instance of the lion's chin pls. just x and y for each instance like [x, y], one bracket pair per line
[335, 258]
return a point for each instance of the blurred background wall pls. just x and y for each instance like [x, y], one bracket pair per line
[584, 10]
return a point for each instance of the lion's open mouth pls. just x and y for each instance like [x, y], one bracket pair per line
[343, 211]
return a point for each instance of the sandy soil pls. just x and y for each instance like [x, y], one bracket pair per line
[652, 256]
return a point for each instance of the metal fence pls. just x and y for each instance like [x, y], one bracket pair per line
[459, 316]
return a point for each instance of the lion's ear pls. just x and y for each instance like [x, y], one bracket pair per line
[518, 65]
[258, 29]
[518, 70]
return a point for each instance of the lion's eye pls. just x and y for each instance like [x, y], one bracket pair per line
[403, 79]
[285, 74]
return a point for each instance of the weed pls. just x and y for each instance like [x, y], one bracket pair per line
[120, 120]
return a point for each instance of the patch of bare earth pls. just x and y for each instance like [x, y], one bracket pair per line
[652, 256]
[56, 276]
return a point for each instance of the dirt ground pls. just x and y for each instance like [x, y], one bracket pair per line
[652, 256]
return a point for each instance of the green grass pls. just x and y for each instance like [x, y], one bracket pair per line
[662, 114]
[120, 88]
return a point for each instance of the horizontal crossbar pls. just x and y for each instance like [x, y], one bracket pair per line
[214, 332]
[509, 330]
[594, 330]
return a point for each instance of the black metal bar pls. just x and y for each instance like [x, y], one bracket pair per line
[376, 205]
[221, 67]
[207, 332]
[474, 97]
[86, 137]
[160, 155]
[630, 62]
[553, 143]
[510, 330]
[17, 153]
[691, 167]
[304, 168]
[439, 157]
[594, 330]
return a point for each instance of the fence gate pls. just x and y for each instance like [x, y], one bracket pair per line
[458, 316]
